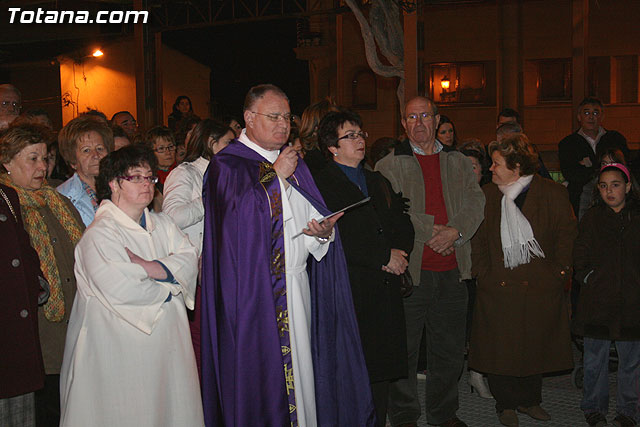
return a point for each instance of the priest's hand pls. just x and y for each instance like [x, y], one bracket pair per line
[443, 238]
[286, 162]
[323, 229]
[153, 269]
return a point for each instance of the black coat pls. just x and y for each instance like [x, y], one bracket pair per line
[21, 366]
[573, 148]
[368, 233]
[606, 252]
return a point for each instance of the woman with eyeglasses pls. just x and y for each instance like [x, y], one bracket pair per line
[377, 238]
[54, 227]
[83, 142]
[128, 356]
[160, 139]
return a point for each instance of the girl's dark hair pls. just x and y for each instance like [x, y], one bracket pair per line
[177, 112]
[118, 163]
[444, 119]
[328, 128]
[183, 128]
[198, 144]
[480, 155]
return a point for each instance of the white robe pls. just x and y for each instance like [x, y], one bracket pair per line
[128, 358]
[296, 212]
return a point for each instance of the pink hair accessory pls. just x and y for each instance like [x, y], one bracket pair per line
[620, 166]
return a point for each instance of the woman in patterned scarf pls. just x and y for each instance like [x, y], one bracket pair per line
[54, 227]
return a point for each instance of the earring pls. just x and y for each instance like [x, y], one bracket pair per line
[335, 154]
[8, 172]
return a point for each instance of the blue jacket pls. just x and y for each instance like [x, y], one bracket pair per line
[72, 190]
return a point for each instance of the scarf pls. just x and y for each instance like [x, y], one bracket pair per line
[34, 224]
[519, 244]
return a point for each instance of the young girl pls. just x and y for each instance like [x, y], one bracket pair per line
[606, 263]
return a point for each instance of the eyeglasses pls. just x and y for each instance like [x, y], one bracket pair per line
[355, 135]
[161, 150]
[594, 113]
[274, 117]
[423, 116]
[15, 105]
[139, 179]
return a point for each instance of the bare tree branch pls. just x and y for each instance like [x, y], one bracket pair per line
[370, 46]
[384, 18]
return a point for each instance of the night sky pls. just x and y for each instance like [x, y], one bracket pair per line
[244, 55]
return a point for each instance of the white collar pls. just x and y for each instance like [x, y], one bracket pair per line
[437, 147]
[201, 164]
[270, 155]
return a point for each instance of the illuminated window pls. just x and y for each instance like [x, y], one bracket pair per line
[554, 80]
[462, 82]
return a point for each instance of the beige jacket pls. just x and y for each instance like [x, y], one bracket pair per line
[463, 198]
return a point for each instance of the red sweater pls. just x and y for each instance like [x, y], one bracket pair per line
[434, 205]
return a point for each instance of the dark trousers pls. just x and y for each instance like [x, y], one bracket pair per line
[48, 402]
[380, 393]
[511, 392]
[439, 306]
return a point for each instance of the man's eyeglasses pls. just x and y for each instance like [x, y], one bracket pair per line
[138, 179]
[594, 113]
[274, 117]
[15, 105]
[355, 135]
[422, 116]
[161, 150]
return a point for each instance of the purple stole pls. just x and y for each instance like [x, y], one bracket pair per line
[246, 360]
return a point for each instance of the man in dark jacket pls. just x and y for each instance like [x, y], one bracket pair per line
[579, 152]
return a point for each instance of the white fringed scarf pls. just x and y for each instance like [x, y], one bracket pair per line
[518, 242]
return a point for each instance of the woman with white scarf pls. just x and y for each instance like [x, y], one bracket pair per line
[521, 256]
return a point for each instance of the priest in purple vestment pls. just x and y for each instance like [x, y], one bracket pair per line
[280, 344]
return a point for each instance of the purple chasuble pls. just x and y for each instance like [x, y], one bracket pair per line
[243, 380]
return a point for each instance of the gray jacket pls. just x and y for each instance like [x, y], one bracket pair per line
[463, 199]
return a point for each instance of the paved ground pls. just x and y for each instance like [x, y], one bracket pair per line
[559, 397]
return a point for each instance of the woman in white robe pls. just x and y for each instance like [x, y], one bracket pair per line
[128, 357]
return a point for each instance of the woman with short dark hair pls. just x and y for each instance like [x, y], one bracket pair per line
[377, 238]
[128, 356]
[521, 257]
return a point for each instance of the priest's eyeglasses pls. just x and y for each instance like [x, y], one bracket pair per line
[139, 179]
[274, 117]
[355, 135]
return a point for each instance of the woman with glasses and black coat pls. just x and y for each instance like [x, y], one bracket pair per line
[377, 238]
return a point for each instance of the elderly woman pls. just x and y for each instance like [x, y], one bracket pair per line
[54, 227]
[128, 357]
[377, 238]
[21, 369]
[521, 256]
[83, 142]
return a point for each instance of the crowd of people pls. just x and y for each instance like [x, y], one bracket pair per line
[276, 271]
